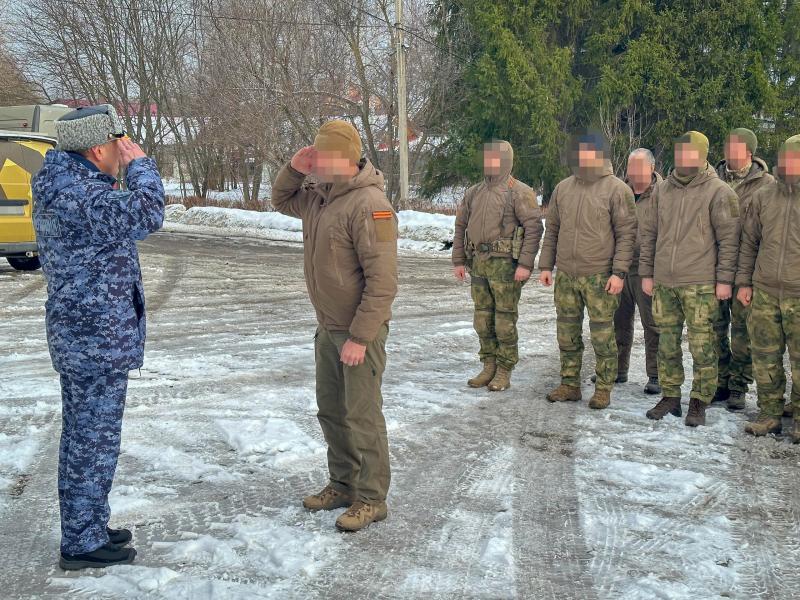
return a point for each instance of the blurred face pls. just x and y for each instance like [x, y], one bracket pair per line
[330, 166]
[737, 154]
[590, 157]
[687, 158]
[492, 161]
[640, 171]
[106, 157]
[789, 166]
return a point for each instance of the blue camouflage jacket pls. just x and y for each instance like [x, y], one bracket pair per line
[86, 231]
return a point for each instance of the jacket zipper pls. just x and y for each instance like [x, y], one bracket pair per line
[578, 214]
[675, 242]
[783, 245]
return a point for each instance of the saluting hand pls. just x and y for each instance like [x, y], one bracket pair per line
[303, 160]
[129, 151]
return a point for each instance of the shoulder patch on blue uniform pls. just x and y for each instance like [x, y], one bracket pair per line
[48, 225]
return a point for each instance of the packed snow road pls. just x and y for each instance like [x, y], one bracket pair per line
[493, 495]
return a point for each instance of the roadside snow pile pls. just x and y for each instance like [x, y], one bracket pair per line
[418, 230]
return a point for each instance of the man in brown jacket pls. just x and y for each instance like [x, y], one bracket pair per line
[746, 174]
[641, 176]
[590, 236]
[689, 247]
[497, 234]
[769, 283]
[350, 249]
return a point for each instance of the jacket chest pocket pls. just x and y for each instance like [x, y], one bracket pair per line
[340, 246]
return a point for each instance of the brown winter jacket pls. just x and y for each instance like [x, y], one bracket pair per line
[591, 226]
[769, 258]
[758, 177]
[690, 233]
[350, 247]
[493, 209]
[642, 204]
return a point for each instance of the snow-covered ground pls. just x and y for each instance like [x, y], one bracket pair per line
[419, 231]
[493, 495]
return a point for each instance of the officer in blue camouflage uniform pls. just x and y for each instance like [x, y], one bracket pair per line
[87, 231]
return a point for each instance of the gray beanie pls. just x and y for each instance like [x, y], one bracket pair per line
[88, 127]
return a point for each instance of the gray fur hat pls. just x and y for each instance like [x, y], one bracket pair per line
[88, 127]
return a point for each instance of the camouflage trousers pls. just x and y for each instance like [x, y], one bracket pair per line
[697, 306]
[774, 325]
[735, 362]
[91, 413]
[572, 295]
[496, 296]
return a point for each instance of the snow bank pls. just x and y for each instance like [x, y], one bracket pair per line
[280, 439]
[418, 230]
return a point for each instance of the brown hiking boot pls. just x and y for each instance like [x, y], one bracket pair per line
[697, 413]
[796, 431]
[664, 407]
[788, 410]
[361, 515]
[763, 425]
[483, 378]
[565, 393]
[328, 499]
[736, 401]
[601, 399]
[501, 380]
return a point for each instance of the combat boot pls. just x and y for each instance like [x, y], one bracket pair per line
[361, 515]
[119, 537]
[664, 407]
[764, 424]
[501, 380]
[796, 431]
[328, 499]
[601, 399]
[697, 413]
[104, 556]
[721, 395]
[565, 393]
[653, 387]
[483, 378]
[788, 410]
[736, 401]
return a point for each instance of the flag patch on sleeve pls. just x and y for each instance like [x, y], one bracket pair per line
[382, 214]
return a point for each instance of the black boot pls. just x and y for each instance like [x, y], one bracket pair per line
[653, 387]
[119, 537]
[697, 413]
[721, 395]
[105, 556]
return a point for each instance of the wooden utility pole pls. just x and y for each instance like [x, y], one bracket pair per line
[402, 109]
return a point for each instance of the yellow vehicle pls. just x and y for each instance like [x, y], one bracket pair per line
[21, 156]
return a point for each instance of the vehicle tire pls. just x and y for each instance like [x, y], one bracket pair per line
[23, 263]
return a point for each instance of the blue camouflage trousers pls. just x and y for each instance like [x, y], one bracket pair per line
[92, 408]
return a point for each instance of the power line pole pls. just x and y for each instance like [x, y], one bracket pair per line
[402, 109]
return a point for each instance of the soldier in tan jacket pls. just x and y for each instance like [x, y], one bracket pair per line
[590, 237]
[350, 254]
[745, 173]
[497, 234]
[689, 247]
